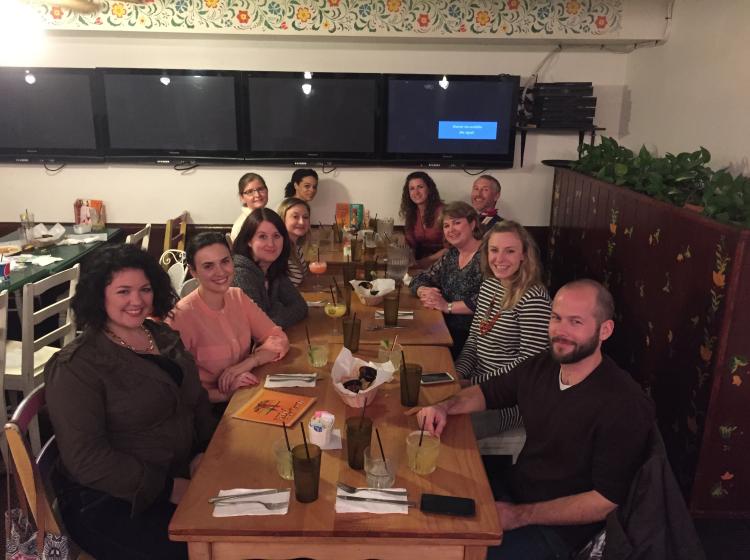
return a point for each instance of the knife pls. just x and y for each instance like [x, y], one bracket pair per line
[246, 495]
[377, 501]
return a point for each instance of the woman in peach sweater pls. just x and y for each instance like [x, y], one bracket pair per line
[220, 325]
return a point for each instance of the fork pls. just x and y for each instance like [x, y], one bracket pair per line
[381, 328]
[352, 490]
[272, 506]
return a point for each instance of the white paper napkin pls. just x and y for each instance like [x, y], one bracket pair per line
[335, 441]
[319, 303]
[401, 314]
[75, 239]
[224, 509]
[349, 506]
[44, 260]
[272, 382]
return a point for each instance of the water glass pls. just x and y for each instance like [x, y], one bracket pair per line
[380, 473]
[283, 458]
[410, 379]
[358, 436]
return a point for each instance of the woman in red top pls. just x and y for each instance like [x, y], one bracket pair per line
[421, 206]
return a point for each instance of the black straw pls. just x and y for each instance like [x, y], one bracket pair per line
[307, 334]
[304, 438]
[286, 437]
[333, 297]
[362, 418]
[421, 432]
[380, 444]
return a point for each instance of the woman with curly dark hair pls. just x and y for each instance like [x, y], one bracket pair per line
[261, 260]
[421, 207]
[128, 410]
[304, 185]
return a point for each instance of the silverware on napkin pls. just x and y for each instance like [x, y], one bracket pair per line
[246, 495]
[377, 500]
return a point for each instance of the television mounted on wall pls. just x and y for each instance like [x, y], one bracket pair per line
[451, 121]
[47, 115]
[305, 117]
[170, 116]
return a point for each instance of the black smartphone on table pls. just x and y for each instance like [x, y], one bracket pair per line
[448, 505]
[436, 378]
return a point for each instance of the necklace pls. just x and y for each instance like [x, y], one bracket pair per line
[487, 322]
[147, 350]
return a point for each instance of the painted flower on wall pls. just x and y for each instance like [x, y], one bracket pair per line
[242, 16]
[274, 8]
[334, 3]
[423, 20]
[543, 12]
[56, 12]
[210, 3]
[483, 18]
[303, 14]
[454, 11]
[181, 6]
[513, 4]
[118, 10]
[601, 22]
[394, 5]
[573, 7]
[365, 10]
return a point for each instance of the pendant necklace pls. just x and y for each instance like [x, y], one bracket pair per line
[487, 322]
[147, 350]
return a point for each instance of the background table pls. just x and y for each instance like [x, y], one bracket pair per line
[70, 255]
[239, 456]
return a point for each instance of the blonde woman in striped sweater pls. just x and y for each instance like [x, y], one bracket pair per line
[295, 213]
[512, 314]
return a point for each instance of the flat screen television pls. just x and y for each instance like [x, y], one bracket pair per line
[47, 115]
[451, 121]
[170, 116]
[324, 116]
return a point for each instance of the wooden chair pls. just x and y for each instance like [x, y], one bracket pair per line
[141, 236]
[176, 232]
[25, 359]
[34, 473]
[3, 336]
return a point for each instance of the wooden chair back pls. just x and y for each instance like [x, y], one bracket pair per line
[29, 469]
[176, 232]
[142, 236]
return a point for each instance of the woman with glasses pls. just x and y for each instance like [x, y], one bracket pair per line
[253, 194]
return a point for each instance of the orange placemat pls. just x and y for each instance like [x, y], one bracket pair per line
[275, 407]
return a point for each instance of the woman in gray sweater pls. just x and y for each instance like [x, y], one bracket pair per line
[261, 254]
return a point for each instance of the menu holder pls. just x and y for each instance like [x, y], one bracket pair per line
[275, 408]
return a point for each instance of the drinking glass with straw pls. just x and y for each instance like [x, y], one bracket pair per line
[317, 354]
[306, 466]
[334, 309]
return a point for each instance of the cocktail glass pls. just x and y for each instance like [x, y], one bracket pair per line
[335, 311]
[318, 268]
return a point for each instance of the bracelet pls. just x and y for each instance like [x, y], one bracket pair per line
[450, 307]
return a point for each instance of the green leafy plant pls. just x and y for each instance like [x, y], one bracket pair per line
[680, 179]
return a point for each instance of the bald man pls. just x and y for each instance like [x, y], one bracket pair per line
[587, 426]
[485, 192]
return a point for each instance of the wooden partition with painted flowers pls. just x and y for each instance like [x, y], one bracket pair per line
[681, 284]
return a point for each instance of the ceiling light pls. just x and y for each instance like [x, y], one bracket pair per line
[308, 75]
[443, 83]
[165, 80]
[306, 89]
[29, 78]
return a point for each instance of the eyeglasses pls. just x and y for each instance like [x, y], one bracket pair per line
[258, 191]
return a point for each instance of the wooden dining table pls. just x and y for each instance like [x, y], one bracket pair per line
[240, 456]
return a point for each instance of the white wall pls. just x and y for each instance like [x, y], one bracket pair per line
[146, 193]
[694, 90]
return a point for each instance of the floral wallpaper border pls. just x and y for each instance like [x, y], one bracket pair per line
[498, 19]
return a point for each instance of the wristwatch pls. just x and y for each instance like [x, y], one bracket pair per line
[450, 307]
